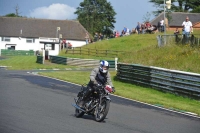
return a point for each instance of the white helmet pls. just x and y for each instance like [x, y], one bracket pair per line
[104, 66]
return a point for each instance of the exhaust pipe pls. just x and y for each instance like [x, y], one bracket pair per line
[77, 107]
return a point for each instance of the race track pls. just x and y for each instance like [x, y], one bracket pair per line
[35, 104]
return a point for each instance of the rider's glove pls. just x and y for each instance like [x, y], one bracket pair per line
[113, 89]
[95, 83]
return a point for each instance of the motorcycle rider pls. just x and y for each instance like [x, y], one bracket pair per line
[98, 76]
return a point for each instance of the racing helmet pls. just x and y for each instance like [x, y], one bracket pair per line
[104, 66]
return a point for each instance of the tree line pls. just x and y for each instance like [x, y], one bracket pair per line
[192, 6]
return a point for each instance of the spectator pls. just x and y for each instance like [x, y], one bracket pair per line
[96, 36]
[117, 34]
[63, 44]
[87, 38]
[69, 45]
[162, 25]
[124, 30]
[143, 28]
[122, 33]
[138, 28]
[176, 32]
[148, 25]
[187, 27]
[151, 29]
[100, 37]
[159, 26]
[127, 32]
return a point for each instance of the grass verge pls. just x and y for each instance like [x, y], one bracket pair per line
[134, 92]
[28, 63]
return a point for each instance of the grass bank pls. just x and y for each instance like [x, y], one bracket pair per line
[134, 92]
[142, 49]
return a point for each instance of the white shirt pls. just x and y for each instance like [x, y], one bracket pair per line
[162, 22]
[187, 25]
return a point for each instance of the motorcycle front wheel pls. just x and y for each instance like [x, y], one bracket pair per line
[102, 110]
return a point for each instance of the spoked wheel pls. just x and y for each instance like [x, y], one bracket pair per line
[79, 113]
[102, 111]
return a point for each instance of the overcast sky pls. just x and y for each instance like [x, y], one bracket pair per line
[129, 12]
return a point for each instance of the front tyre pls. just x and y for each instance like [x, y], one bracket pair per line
[102, 110]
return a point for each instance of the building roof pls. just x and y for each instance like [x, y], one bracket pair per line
[33, 28]
[177, 18]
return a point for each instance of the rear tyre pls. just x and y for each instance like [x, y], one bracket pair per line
[78, 113]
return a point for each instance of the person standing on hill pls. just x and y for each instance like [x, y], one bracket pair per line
[187, 26]
[138, 28]
[162, 25]
[87, 38]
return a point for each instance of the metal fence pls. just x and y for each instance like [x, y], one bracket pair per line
[193, 40]
[93, 52]
[177, 82]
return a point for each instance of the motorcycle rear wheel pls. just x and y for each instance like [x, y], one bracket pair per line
[79, 113]
[102, 112]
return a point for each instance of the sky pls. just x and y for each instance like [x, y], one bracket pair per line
[129, 12]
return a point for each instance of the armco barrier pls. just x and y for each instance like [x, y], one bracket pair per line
[177, 82]
[58, 60]
[5, 52]
[78, 61]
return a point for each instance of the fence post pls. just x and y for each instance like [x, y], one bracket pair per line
[0, 51]
[159, 40]
[116, 59]
[43, 56]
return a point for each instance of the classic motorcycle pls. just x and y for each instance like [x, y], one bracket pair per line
[96, 105]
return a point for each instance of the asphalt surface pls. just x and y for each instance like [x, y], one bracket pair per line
[35, 104]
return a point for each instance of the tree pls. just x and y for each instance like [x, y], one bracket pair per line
[11, 15]
[16, 14]
[177, 5]
[96, 16]
[196, 10]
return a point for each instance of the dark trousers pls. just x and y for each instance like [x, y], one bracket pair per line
[88, 92]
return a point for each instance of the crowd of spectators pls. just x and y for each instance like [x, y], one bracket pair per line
[141, 28]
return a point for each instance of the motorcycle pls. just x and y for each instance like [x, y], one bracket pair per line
[97, 104]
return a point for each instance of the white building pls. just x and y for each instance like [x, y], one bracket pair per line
[36, 34]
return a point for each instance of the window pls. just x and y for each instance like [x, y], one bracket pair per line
[49, 46]
[5, 39]
[30, 40]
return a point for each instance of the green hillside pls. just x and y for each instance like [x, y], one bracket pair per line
[143, 49]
